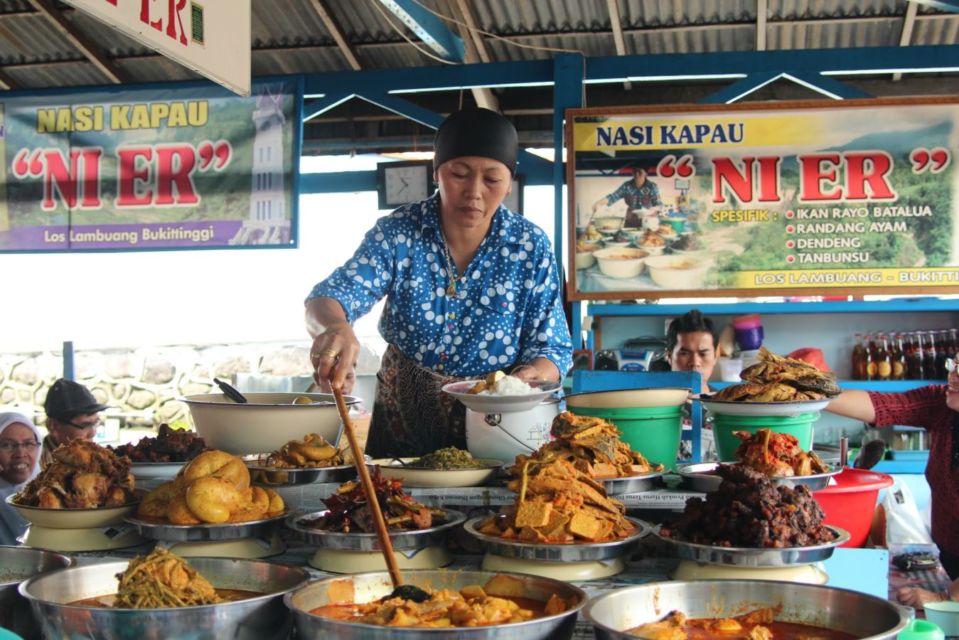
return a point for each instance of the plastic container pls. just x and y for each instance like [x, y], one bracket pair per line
[850, 502]
[729, 369]
[944, 615]
[652, 431]
[800, 426]
[749, 338]
[921, 630]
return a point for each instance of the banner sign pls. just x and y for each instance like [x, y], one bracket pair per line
[211, 37]
[153, 168]
[800, 198]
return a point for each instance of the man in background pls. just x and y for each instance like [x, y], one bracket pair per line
[72, 414]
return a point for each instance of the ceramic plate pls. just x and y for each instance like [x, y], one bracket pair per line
[702, 476]
[632, 398]
[72, 518]
[431, 478]
[732, 408]
[500, 404]
[155, 470]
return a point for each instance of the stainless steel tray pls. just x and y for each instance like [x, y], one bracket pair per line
[573, 552]
[274, 477]
[402, 540]
[631, 484]
[757, 557]
[702, 477]
[165, 532]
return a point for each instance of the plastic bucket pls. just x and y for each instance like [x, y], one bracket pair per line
[749, 338]
[850, 502]
[800, 426]
[652, 431]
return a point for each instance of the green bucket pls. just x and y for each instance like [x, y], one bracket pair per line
[800, 426]
[652, 431]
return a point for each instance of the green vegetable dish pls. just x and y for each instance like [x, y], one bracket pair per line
[448, 458]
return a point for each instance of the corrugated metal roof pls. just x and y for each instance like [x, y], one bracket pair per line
[290, 37]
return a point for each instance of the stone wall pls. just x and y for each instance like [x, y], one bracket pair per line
[141, 385]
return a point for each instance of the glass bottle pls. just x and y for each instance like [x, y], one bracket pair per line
[883, 358]
[859, 359]
[898, 358]
[914, 357]
[942, 342]
[929, 356]
[869, 351]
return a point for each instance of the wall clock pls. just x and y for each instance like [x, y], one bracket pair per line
[403, 182]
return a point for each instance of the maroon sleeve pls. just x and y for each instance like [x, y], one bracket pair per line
[923, 407]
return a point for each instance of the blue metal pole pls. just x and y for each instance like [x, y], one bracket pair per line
[68, 368]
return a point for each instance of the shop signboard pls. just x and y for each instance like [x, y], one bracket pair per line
[211, 37]
[797, 198]
[171, 167]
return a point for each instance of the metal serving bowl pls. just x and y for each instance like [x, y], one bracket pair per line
[370, 586]
[758, 556]
[702, 476]
[861, 615]
[16, 565]
[263, 617]
[358, 541]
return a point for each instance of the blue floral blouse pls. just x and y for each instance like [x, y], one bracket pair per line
[507, 309]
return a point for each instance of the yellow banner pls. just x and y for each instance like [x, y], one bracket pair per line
[841, 278]
[696, 131]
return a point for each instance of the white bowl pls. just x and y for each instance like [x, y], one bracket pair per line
[677, 272]
[266, 423]
[629, 398]
[608, 224]
[506, 435]
[616, 244]
[653, 251]
[584, 260]
[621, 263]
[945, 615]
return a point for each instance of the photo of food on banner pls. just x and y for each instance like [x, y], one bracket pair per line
[637, 225]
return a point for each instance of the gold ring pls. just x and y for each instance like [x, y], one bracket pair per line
[329, 353]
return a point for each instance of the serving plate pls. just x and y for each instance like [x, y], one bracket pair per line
[500, 404]
[733, 408]
[630, 484]
[702, 476]
[632, 398]
[155, 470]
[757, 557]
[402, 540]
[72, 518]
[166, 532]
[570, 552]
[424, 477]
[282, 477]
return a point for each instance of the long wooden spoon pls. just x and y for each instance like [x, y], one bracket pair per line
[386, 545]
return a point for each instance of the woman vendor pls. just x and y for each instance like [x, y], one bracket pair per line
[936, 409]
[19, 463]
[471, 288]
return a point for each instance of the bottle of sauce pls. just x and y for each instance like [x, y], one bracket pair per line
[883, 358]
[942, 342]
[914, 357]
[898, 358]
[870, 352]
[953, 349]
[929, 356]
[858, 359]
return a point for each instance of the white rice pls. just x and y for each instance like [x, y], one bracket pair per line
[508, 386]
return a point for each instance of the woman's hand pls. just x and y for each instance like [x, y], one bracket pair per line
[538, 369]
[333, 356]
[917, 598]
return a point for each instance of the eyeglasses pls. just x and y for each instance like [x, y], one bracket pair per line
[81, 426]
[10, 445]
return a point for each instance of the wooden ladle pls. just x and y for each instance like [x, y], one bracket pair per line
[400, 590]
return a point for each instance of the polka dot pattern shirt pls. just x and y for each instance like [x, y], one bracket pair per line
[507, 309]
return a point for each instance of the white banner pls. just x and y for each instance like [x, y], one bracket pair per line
[212, 37]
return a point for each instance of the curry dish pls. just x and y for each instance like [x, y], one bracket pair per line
[163, 580]
[83, 475]
[499, 601]
[313, 451]
[759, 624]
[777, 455]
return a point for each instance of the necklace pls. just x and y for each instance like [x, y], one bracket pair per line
[450, 268]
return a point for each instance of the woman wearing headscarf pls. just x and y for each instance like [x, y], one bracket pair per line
[471, 288]
[19, 462]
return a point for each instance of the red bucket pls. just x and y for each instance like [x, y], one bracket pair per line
[850, 503]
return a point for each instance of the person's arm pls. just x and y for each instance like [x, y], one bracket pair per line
[335, 348]
[855, 404]
[537, 369]
[619, 194]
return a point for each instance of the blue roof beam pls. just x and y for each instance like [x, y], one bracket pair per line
[951, 6]
[428, 28]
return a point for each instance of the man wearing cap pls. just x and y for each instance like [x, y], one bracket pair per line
[72, 413]
[471, 288]
[638, 193]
